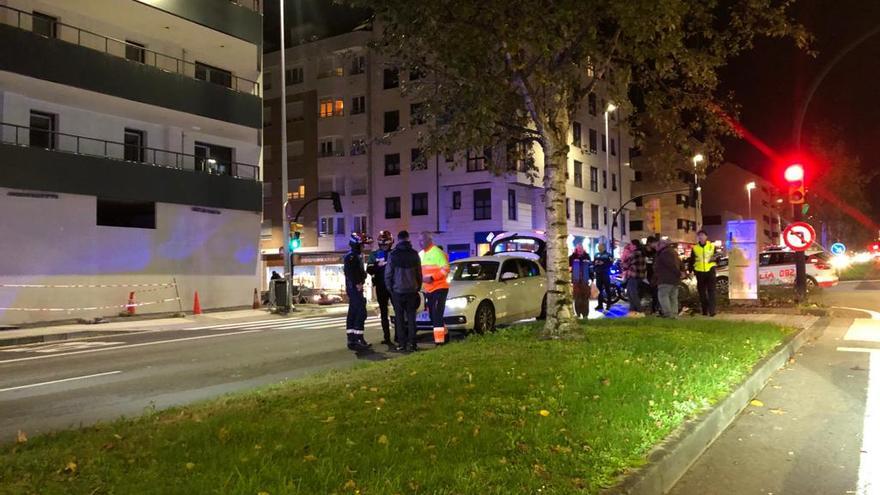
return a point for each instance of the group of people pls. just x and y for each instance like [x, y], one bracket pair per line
[399, 275]
[655, 266]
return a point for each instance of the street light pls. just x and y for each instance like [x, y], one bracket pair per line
[608, 109]
[697, 200]
[749, 187]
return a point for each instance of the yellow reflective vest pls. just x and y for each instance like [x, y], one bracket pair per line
[435, 264]
[704, 257]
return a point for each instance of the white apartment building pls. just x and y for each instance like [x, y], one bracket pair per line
[351, 130]
[130, 155]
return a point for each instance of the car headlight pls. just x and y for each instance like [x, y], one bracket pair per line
[460, 302]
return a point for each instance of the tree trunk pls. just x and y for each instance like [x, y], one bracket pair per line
[560, 317]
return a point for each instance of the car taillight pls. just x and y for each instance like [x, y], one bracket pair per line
[820, 263]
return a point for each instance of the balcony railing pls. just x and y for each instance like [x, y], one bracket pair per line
[113, 150]
[123, 49]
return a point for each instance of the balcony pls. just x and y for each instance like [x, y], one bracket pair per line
[46, 49]
[45, 160]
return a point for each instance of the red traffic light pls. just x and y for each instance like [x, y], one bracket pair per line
[794, 173]
[875, 247]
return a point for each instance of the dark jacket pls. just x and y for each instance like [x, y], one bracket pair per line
[581, 268]
[353, 268]
[667, 265]
[377, 271]
[403, 273]
[602, 263]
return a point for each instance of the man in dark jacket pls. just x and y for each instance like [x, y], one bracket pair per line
[376, 267]
[602, 263]
[667, 275]
[403, 279]
[355, 277]
[581, 267]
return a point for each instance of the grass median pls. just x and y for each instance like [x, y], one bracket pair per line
[500, 414]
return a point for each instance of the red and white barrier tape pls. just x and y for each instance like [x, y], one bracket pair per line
[95, 308]
[83, 286]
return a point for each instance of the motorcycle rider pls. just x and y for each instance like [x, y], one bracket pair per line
[602, 269]
[376, 268]
[355, 276]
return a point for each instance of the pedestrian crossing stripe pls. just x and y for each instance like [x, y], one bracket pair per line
[310, 323]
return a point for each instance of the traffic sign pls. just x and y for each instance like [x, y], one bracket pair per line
[838, 248]
[798, 236]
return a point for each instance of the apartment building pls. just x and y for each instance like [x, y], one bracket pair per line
[733, 193]
[351, 130]
[130, 155]
[667, 208]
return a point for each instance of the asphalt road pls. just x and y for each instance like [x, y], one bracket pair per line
[858, 294]
[50, 386]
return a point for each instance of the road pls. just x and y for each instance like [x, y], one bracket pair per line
[50, 386]
[858, 294]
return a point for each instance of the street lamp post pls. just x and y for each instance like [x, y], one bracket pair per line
[610, 108]
[285, 222]
[698, 216]
[749, 187]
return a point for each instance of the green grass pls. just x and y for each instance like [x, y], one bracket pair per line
[861, 271]
[464, 419]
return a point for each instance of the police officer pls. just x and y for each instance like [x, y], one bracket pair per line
[355, 277]
[376, 267]
[602, 269]
[702, 264]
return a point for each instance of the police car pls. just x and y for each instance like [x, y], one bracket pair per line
[777, 267]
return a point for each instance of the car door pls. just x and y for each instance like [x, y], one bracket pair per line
[765, 271]
[533, 288]
[505, 294]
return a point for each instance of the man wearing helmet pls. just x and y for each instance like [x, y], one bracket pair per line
[376, 267]
[355, 276]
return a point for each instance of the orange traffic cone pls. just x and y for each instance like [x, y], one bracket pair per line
[129, 308]
[256, 299]
[197, 306]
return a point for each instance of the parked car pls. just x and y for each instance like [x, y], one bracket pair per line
[777, 267]
[487, 291]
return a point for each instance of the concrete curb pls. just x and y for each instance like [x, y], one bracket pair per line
[670, 460]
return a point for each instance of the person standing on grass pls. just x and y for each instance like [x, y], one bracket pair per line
[435, 268]
[602, 263]
[667, 275]
[580, 265]
[702, 263]
[355, 277]
[635, 270]
[650, 253]
[376, 267]
[403, 279]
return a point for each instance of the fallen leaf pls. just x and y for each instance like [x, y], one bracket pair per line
[21, 437]
[329, 419]
[350, 485]
[544, 412]
[190, 465]
[383, 440]
[309, 458]
[70, 467]
[262, 493]
[777, 411]
[756, 403]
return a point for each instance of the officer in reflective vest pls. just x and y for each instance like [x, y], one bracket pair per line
[435, 268]
[702, 264]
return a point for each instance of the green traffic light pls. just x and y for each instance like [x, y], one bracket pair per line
[295, 242]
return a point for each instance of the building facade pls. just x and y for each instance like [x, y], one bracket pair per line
[351, 130]
[130, 155]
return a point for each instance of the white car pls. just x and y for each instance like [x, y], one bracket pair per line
[487, 291]
[778, 268]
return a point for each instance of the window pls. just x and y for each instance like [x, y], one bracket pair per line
[622, 222]
[295, 111]
[213, 159]
[294, 76]
[613, 182]
[681, 224]
[604, 179]
[296, 189]
[591, 103]
[131, 214]
[604, 144]
[567, 208]
[325, 184]
[578, 213]
[634, 153]
[360, 223]
[637, 176]
[358, 105]
[638, 202]
[682, 199]
[604, 216]
[477, 162]
[456, 200]
[392, 121]
[594, 217]
[42, 132]
[325, 226]
[329, 107]
[44, 25]
[340, 225]
[594, 141]
[418, 160]
[392, 164]
[578, 174]
[482, 204]
[576, 134]
[267, 80]
[528, 268]
[134, 51]
[390, 78]
[392, 207]
[358, 65]
[594, 179]
[329, 66]
[417, 114]
[419, 204]
[331, 146]
[358, 186]
[613, 147]
[214, 75]
[134, 145]
[636, 225]
[512, 205]
[358, 146]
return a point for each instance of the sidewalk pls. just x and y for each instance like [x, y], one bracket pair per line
[147, 322]
[803, 432]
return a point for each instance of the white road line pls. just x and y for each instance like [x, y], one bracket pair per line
[869, 475]
[262, 323]
[129, 346]
[21, 387]
[291, 324]
[858, 349]
[874, 314]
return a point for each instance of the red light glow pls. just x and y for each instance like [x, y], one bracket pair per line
[794, 173]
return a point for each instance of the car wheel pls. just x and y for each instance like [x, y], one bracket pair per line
[484, 318]
[543, 315]
[811, 283]
[722, 285]
[683, 291]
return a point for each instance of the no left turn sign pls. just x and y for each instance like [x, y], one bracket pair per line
[799, 236]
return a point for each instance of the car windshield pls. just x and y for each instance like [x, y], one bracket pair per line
[474, 270]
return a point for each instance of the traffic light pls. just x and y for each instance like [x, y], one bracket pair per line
[794, 175]
[337, 204]
[295, 241]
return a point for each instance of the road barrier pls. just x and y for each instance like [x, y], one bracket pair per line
[128, 307]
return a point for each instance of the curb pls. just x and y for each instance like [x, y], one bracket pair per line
[669, 461]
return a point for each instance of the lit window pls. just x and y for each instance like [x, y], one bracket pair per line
[326, 108]
[338, 106]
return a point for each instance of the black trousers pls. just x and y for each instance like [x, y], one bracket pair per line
[436, 304]
[384, 298]
[603, 285]
[357, 314]
[706, 289]
[405, 306]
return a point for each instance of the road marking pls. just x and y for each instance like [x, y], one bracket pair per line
[85, 377]
[869, 475]
[863, 330]
[63, 346]
[874, 314]
[858, 349]
[129, 346]
[265, 323]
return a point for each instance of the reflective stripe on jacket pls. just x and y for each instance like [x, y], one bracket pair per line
[704, 257]
[435, 264]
